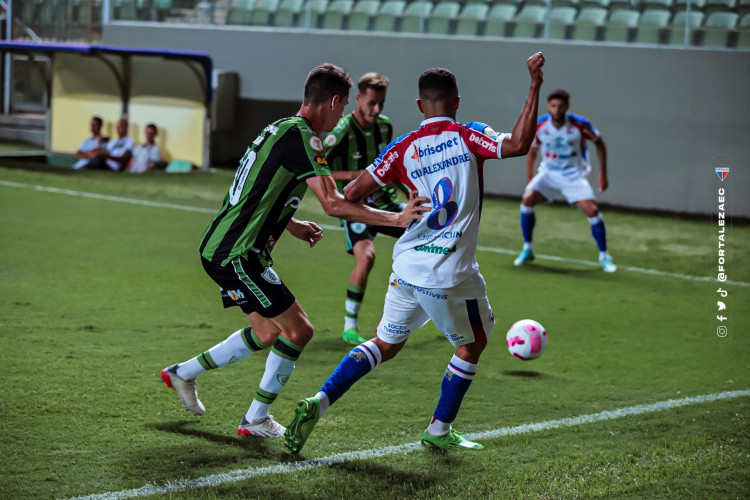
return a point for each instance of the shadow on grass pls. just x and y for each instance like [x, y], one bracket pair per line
[555, 268]
[523, 373]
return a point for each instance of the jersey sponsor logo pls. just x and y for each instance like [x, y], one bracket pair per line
[483, 142]
[316, 143]
[357, 155]
[293, 202]
[415, 154]
[330, 140]
[357, 356]
[431, 150]
[435, 249]
[449, 235]
[439, 166]
[320, 160]
[270, 275]
[424, 291]
[385, 165]
[454, 337]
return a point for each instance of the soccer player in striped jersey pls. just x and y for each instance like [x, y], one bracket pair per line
[435, 273]
[561, 139]
[351, 147]
[278, 167]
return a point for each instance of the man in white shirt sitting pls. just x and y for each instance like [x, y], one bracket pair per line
[119, 150]
[147, 155]
[89, 153]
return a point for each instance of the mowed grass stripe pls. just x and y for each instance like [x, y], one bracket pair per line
[291, 468]
[504, 251]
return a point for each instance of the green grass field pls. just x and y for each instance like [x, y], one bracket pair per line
[98, 295]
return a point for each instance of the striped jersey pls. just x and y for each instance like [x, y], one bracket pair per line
[350, 147]
[563, 149]
[267, 189]
[443, 160]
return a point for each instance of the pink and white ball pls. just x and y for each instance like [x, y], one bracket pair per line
[526, 339]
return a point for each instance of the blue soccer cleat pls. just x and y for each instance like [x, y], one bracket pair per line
[526, 255]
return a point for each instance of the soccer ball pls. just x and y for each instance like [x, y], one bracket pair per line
[526, 339]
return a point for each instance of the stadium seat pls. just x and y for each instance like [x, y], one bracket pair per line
[743, 8]
[658, 4]
[719, 6]
[498, 19]
[677, 30]
[695, 5]
[620, 24]
[470, 17]
[529, 21]
[594, 4]
[288, 13]
[125, 10]
[566, 3]
[363, 12]
[389, 12]
[717, 29]
[620, 5]
[415, 12]
[262, 11]
[743, 38]
[560, 18]
[333, 17]
[444, 14]
[650, 25]
[588, 22]
[240, 12]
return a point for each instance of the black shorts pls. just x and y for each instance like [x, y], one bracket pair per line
[358, 231]
[251, 286]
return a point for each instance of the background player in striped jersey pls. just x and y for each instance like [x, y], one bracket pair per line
[273, 176]
[561, 138]
[435, 272]
[351, 147]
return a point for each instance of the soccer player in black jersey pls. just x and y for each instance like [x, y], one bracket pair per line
[284, 160]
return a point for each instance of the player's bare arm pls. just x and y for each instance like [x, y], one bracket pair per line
[306, 231]
[345, 175]
[531, 163]
[601, 154]
[335, 205]
[523, 132]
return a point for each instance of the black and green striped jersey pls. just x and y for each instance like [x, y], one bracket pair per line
[350, 147]
[267, 189]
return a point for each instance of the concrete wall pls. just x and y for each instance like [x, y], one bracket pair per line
[665, 113]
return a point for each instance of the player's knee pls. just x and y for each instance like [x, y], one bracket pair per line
[471, 352]
[388, 351]
[528, 199]
[366, 260]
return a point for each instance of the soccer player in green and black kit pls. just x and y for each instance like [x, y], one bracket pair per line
[351, 147]
[278, 167]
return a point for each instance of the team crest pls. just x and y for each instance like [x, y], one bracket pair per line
[270, 275]
[722, 172]
[358, 227]
[330, 140]
[282, 379]
[357, 356]
[316, 143]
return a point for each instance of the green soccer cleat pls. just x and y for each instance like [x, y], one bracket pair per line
[351, 336]
[299, 429]
[453, 438]
[526, 255]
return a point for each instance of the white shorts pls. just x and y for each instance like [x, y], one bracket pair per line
[461, 313]
[551, 183]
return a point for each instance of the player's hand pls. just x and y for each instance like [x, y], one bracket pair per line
[414, 209]
[603, 183]
[307, 231]
[535, 64]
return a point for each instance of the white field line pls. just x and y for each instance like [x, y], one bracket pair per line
[290, 468]
[505, 251]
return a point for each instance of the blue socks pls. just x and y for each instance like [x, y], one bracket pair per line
[359, 362]
[456, 382]
[599, 232]
[528, 219]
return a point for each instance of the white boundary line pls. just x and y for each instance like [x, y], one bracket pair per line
[290, 468]
[505, 251]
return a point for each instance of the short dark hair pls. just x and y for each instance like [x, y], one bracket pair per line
[559, 94]
[374, 81]
[437, 84]
[98, 119]
[325, 81]
[153, 126]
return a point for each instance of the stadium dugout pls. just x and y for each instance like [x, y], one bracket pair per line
[171, 88]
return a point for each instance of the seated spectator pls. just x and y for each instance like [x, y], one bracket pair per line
[120, 150]
[147, 155]
[90, 151]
